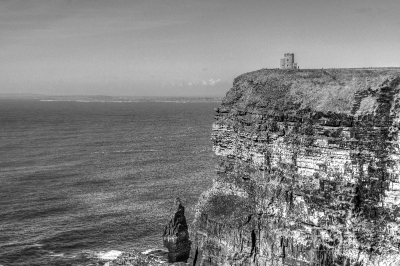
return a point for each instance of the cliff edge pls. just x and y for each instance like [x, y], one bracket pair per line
[307, 171]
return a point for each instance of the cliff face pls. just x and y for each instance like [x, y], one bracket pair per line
[307, 172]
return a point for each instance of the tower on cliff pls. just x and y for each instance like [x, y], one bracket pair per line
[288, 62]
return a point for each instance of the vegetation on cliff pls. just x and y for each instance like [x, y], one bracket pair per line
[320, 90]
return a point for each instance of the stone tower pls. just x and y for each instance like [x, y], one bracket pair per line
[288, 62]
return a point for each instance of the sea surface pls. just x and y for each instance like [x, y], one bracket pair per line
[85, 180]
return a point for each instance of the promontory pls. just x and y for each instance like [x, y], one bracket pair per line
[308, 171]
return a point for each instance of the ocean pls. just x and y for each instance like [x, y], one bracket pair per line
[83, 180]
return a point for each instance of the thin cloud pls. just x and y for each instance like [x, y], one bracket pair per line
[210, 82]
[80, 19]
[370, 11]
[364, 10]
[198, 83]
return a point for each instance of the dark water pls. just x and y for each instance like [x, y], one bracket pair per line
[78, 179]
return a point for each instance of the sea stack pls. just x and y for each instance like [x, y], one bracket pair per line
[308, 171]
[176, 235]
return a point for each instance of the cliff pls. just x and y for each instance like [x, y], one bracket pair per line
[307, 171]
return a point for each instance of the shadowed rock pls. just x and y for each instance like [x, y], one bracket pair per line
[176, 235]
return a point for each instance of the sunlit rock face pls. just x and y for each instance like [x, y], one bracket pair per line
[308, 166]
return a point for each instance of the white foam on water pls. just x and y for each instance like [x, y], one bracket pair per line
[57, 255]
[20, 243]
[149, 251]
[160, 258]
[55, 100]
[109, 255]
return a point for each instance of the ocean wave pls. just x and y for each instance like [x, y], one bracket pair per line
[70, 201]
[21, 244]
[158, 254]
[154, 250]
[131, 151]
[57, 255]
[124, 151]
[56, 100]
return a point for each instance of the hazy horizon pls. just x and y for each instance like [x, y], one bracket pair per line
[23, 95]
[183, 48]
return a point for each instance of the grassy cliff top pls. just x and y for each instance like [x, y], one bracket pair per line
[318, 89]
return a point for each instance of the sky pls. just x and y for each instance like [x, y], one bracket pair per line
[183, 47]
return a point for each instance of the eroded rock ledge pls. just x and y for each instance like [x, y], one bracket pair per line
[307, 173]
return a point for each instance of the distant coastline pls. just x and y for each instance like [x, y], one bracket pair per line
[104, 98]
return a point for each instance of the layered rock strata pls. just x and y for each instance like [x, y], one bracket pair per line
[176, 235]
[307, 173]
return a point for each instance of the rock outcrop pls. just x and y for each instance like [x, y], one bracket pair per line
[307, 172]
[134, 257]
[176, 235]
